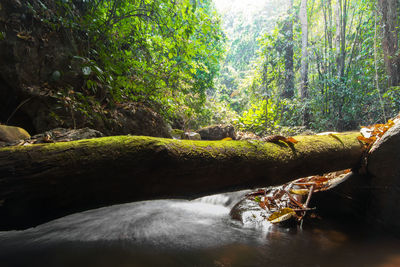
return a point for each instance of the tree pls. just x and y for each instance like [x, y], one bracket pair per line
[288, 91]
[340, 39]
[390, 24]
[304, 58]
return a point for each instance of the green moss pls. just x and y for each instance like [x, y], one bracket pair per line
[115, 146]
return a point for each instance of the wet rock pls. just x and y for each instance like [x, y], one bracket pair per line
[384, 169]
[217, 132]
[12, 133]
[250, 214]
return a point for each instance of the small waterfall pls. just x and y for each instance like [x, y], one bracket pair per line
[225, 199]
[182, 233]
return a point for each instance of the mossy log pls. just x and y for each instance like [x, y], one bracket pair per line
[45, 181]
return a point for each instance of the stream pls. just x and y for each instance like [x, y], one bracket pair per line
[191, 233]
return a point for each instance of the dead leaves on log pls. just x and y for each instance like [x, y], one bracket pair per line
[291, 199]
[371, 134]
[279, 138]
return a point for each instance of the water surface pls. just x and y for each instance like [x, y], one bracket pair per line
[191, 233]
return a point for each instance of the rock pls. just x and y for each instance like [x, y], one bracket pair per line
[12, 133]
[248, 211]
[217, 132]
[192, 136]
[383, 166]
[64, 135]
[246, 136]
[135, 119]
[182, 135]
[177, 134]
[347, 202]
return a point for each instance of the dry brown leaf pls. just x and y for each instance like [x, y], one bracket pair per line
[24, 36]
[277, 138]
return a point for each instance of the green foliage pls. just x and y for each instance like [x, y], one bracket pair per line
[162, 53]
[168, 55]
[261, 118]
[392, 96]
[242, 29]
[340, 102]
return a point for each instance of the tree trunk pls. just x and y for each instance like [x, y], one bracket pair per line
[45, 181]
[340, 39]
[288, 91]
[390, 24]
[340, 42]
[304, 58]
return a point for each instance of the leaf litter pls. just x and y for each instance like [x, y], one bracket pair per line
[291, 200]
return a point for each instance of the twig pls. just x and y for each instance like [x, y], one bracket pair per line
[15, 110]
[306, 205]
[294, 200]
[305, 209]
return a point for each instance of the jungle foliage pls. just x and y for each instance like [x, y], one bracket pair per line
[348, 82]
[323, 64]
[162, 53]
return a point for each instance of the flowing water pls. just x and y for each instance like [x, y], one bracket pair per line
[190, 233]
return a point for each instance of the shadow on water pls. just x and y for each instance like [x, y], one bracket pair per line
[190, 233]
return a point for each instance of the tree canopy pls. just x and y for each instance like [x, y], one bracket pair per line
[198, 65]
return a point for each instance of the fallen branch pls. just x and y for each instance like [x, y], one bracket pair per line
[45, 181]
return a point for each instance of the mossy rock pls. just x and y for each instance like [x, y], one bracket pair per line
[12, 133]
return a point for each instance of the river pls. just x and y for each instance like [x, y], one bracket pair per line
[191, 233]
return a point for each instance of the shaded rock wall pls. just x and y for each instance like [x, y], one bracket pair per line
[39, 73]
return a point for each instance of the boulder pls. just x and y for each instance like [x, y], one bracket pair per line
[217, 132]
[384, 183]
[177, 134]
[134, 119]
[12, 133]
[191, 136]
[182, 135]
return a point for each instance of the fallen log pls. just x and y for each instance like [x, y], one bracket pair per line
[45, 181]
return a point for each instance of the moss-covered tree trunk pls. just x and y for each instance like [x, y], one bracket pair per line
[46, 181]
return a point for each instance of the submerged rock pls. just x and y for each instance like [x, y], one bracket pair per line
[217, 132]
